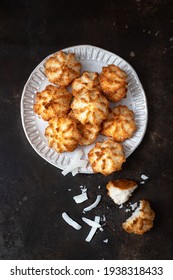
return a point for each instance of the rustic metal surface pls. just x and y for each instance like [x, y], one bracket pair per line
[33, 193]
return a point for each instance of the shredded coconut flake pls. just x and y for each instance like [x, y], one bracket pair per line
[77, 157]
[132, 54]
[93, 230]
[75, 171]
[81, 197]
[105, 240]
[133, 206]
[144, 177]
[70, 221]
[103, 218]
[142, 182]
[91, 222]
[96, 202]
[83, 188]
[75, 163]
[127, 210]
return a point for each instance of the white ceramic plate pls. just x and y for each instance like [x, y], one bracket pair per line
[92, 59]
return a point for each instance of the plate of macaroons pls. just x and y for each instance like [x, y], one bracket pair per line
[84, 110]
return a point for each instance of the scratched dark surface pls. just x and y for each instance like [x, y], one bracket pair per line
[33, 193]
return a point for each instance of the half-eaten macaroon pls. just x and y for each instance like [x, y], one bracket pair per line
[141, 220]
[120, 190]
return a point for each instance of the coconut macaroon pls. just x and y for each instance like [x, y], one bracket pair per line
[89, 133]
[88, 81]
[90, 107]
[113, 82]
[62, 134]
[62, 68]
[120, 190]
[119, 124]
[141, 220]
[52, 101]
[106, 157]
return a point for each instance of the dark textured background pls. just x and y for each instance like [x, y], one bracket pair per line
[33, 193]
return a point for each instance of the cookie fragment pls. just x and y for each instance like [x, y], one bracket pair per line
[120, 190]
[141, 220]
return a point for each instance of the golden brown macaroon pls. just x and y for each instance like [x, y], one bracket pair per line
[62, 134]
[119, 124]
[113, 82]
[120, 190]
[62, 68]
[90, 107]
[89, 131]
[52, 101]
[141, 220]
[106, 157]
[88, 81]
[71, 115]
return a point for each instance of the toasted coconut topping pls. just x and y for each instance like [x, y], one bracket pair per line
[122, 184]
